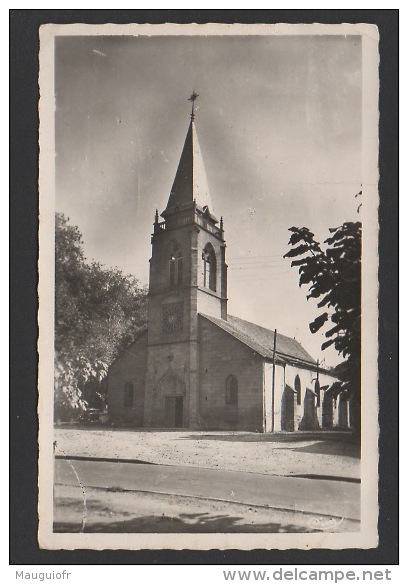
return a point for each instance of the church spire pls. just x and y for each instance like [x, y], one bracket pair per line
[190, 182]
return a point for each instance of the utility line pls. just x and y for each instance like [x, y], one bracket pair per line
[257, 268]
[276, 255]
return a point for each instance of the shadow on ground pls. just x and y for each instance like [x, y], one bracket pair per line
[184, 523]
[336, 443]
[335, 448]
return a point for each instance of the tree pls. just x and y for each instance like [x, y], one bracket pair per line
[98, 312]
[333, 275]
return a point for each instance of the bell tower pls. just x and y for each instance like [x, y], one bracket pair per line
[188, 275]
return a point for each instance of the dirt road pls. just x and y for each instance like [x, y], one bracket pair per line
[277, 454]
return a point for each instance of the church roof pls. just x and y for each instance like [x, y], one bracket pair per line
[190, 182]
[261, 340]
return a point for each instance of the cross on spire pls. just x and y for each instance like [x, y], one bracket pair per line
[192, 98]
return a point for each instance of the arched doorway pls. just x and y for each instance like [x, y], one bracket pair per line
[288, 410]
[343, 411]
[327, 411]
[309, 420]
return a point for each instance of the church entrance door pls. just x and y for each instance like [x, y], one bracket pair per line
[179, 412]
[173, 411]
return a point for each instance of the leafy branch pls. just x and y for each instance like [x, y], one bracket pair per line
[333, 276]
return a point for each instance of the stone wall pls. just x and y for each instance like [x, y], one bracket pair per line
[129, 367]
[220, 356]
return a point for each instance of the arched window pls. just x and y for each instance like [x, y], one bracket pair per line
[176, 269]
[298, 389]
[129, 393]
[210, 267]
[317, 392]
[231, 390]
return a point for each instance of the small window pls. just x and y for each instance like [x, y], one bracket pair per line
[231, 390]
[298, 389]
[129, 394]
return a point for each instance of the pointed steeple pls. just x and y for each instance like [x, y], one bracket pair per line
[190, 183]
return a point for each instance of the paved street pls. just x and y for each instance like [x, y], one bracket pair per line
[335, 500]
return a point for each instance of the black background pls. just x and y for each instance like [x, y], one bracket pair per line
[24, 95]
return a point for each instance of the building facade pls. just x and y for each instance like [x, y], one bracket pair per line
[196, 366]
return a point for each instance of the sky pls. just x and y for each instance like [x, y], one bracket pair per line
[279, 123]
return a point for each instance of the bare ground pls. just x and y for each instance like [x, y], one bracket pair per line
[322, 454]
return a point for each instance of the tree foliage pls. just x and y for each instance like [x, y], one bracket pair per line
[333, 276]
[98, 312]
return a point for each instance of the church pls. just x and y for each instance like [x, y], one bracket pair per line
[196, 366]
